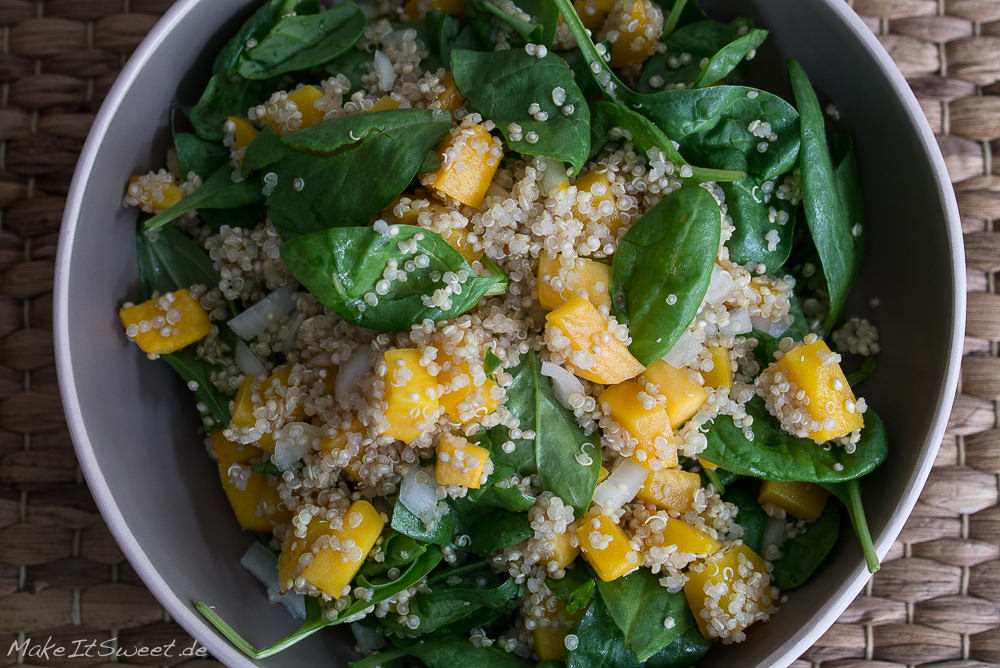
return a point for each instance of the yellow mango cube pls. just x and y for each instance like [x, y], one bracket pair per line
[243, 489]
[593, 12]
[385, 103]
[606, 547]
[549, 635]
[561, 550]
[162, 196]
[458, 238]
[470, 157]
[233, 453]
[558, 279]
[449, 99]
[305, 98]
[638, 24]
[243, 131]
[460, 462]
[166, 324]
[713, 608]
[670, 489]
[462, 399]
[416, 10]
[721, 374]
[689, 539]
[411, 395]
[801, 500]
[602, 206]
[333, 567]
[831, 400]
[649, 426]
[602, 474]
[255, 393]
[683, 392]
[339, 441]
[604, 358]
[292, 549]
[707, 465]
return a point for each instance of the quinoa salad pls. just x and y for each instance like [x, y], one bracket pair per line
[516, 327]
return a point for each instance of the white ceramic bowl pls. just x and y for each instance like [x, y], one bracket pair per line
[136, 432]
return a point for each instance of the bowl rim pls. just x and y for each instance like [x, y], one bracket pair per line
[183, 612]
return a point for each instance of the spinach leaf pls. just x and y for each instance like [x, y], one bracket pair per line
[767, 345]
[398, 550]
[558, 441]
[352, 64]
[198, 372]
[265, 150]
[830, 222]
[171, 260]
[218, 191]
[802, 555]
[256, 28]
[775, 455]
[267, 468]
[298, 42]
[448, 653]
[638, 605]
[491, 363]
[662, 268]
[755, 215]
[229, 95]
[489, 528]
[601, 642]
[721, 63]
[510, 498]
[342, 267]
[540, 28]
[751, 516]
[244, 216]
[410, 525]
[330, 135]
[576, 589]
[198, 155]
[501, 85]
[442, 31]
[684, 651]
[867, 368]
[850, 495]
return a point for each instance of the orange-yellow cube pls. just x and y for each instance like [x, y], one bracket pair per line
[549, 635]
[670, 489]
[689, 539]
[470, 157]
[559, 278]
[605, 359]
[458, 238]
[801, 500]
[462, 399]
[715, 607]
[384, 103]
[411, 395]
[721, 374]
[340, 441]
[293, 547]
[243, 131]
[244, 490]
[255, 393]
[161, 197]
[831, 400]
[606, 547]
[460, 462]
[561, 550]
[593, 12]
[638, 24]
[683, 392]
[230, 452]
[166, 324]
[649, 426]
[305, 98]
[450, 99]
[602, 206]
[416, 10]
[333, 567]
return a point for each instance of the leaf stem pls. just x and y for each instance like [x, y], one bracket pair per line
[675, 15]
[857, 512]
[209, 613]
[380, 658]
[714, 478]
[866, 369]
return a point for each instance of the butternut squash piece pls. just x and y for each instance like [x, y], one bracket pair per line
[470, 157]
[684, 395]
[593, 350]
[606, 547]
[801, 500]
[831, 400]
[166, 324]
[584, 277]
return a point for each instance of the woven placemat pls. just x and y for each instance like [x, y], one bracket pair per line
[936, 599]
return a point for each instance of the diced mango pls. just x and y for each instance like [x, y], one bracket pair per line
[410, 392]
[167, 323]
[831, 400]
[721, 374]
[593, 12]
[639, 24]
[707, 465]
[243, 490]
[737, 564]
[684, 394]
[583, 277]
[384, 103]
[550, 636]
[649, 426]
[461, 398]
[243, 131]
[460, 462]
[339, 441]
[167, 195]
[233, 453]
[271, 505]
[606, 547]
[603, 207]
[689, 539]
[305, 98]
[416, 10]
[293, 547]
[243, 403]
[470, 157]
[562, 551]
[450, 99]
[670, 489]
[332, 570]
[254, 393]
[605, 359]
[602, 474]
[801, 500]
[458, 238]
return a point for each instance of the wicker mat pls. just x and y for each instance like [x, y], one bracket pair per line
[936, 599]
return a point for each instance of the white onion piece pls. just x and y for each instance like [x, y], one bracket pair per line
[247, 362]
[621, 486]
[369, 640]
[418, 492]
[685, 352]
[351, 371]
[275, 306]
[553, 176]
[294, 441]
[770, 327]
[720, 286]
[739, 323]
[774, 534]
[263, 565]
[384, 70]
[293, 329]
[564, 383]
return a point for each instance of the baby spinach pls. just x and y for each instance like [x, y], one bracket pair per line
[638, 605]
[442, 32]
[448, 653]
[171, 260]
[827, 214]
[217, 192]
[866, 369]
[342, 267]
[539, 29]
[558, 441]
[743, 494]
[329, 135]
[662, 268]
[198, 373]
[410, 525]
[754, 217]
[398, 550]
[803, 554]
[256, 28]
[684, 651]
[491, 363]
[502, 85]
[575, 589]
[775, 455]
[849, 493]
[229, 95]
[198, 155]
[490, 528]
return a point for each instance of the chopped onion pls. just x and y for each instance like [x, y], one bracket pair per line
[774, 534]
[384, 70]
[553, 176]
[418, 492]
[564, 383]
[621, 486]
[739, 323]
[685, 352]
[247, 362]
[720, 286]
[275, 306]
[773, 328]
[263, 565]
[293, 442]
[351, 371]
[369, 640]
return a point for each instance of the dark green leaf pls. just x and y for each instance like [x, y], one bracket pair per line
[684, 651]
[867, 368]
[170, 260]
[729, 57]
[398, 550]
[267, 468]
[442, 31]
[601, 644]
[724, 45]
[850, 495]
[575, 589]
[256, 27]
[803, 554]
[448, 653]
[335, 133]
[340, 266]
[265, 150]
[196, 371]
[755, 214]
[225, 96]
[490, 528]
[198, 155]
[751, 516]
[639, 605]
[410, 525]
[244, 216]
[217, 192]
[491, 363]
[670, 251]
[352, 64]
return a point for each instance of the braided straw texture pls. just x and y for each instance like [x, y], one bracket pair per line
[936, 600]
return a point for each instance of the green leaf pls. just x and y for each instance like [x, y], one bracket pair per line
[448, 653]
[575, 589]
[775, 455]
[198, 155]
[743, 494]
[501, 85]
[217, 192]
[410, 525]
[336, 133]
[442, 31]
[299, 42]
[755, 214]
[601, 643]
[850, 494]
[668, 253]
[830, 222]
[267, 468]
[255, 28]
[170, 260]
[638, 605]
[489, 528]
[229, 95]
[265, 150]
[491, 363]
[867, 369]
[803, 554]
[398, 549]
[340, 266]
[197, 372]
[684, 651]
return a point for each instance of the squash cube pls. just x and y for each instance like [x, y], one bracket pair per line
[305, 98]
[603, 205]
[458, 238]
[707, 465]
[559, 278]
[462, 399]
[333, 567]
[166, 324]
[670, 489]
[243, 131]
[562, 551]
[593, 12]
[460, 462]
[470, 157]
[411, 395]
[243, 489]
[416, 10]
[161, 194]
[689, 539]
[293, 547]
[449, 99]
[384, 103]
[549, 635]
[649, 426]
[593, 352]
[716, 607]
[606, 547]
[340, 441]
[721, 374]
[801, 500]
[831, 400]
[684, 394]
[639, 24]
